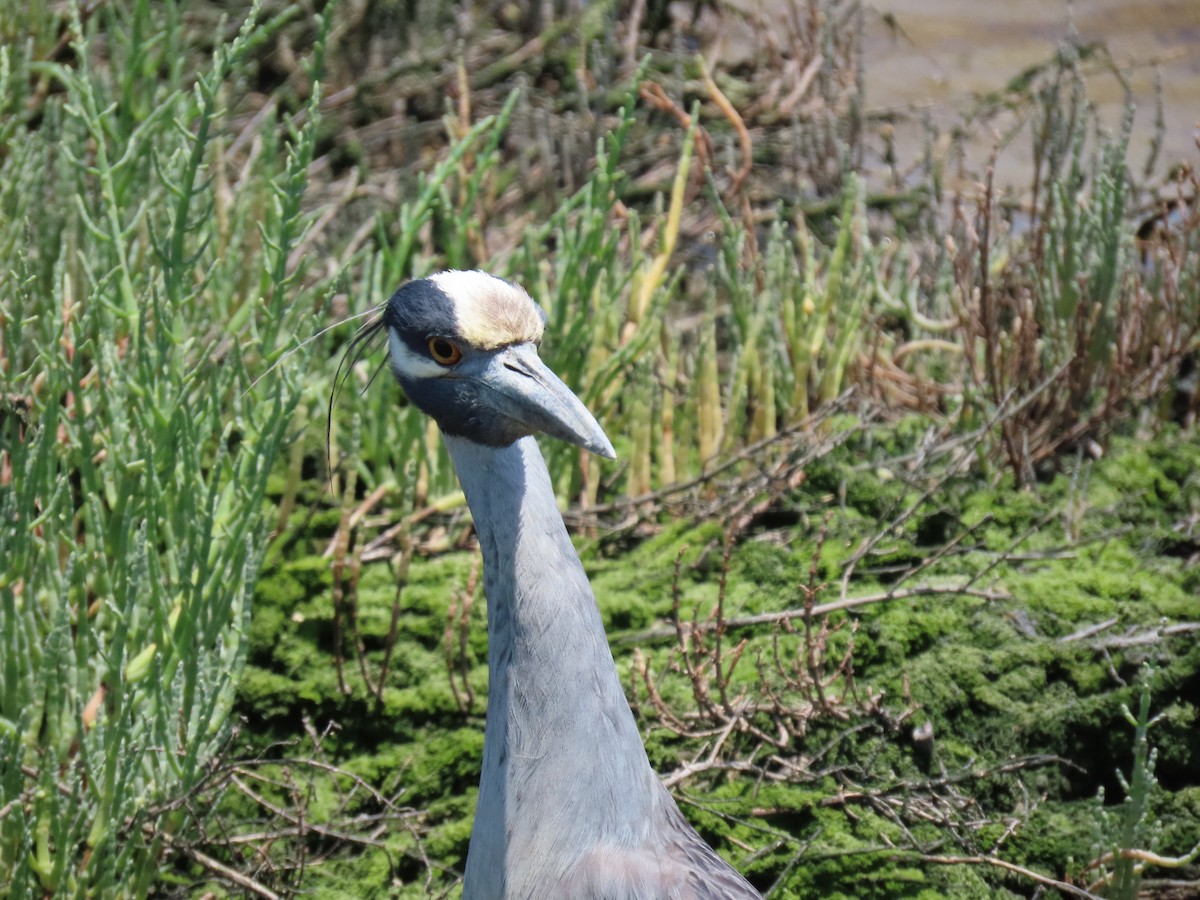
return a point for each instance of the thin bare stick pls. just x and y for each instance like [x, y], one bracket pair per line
[1011, 867]
[821, 609]
[1089, 631]
[1149, 636]
[245, 882]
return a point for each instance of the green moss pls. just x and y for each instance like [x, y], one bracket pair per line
[993, 677]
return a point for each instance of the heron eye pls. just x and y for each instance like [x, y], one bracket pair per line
[443, 351]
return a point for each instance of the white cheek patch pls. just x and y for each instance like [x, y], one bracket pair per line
[406, 364]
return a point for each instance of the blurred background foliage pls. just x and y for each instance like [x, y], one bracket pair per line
[859, 404]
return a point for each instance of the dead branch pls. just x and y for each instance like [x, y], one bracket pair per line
[1011, 867]
[966, 776]
[789, 615]
[245, 882]
[1150, 636]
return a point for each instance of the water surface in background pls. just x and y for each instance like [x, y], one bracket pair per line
[934, 56]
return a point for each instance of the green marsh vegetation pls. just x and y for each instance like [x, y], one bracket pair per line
[900, 556]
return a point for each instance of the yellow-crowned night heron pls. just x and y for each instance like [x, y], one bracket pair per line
[568, 804]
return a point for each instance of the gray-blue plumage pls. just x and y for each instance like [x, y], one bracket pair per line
[569, 806]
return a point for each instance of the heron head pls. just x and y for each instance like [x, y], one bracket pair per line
[463, 346]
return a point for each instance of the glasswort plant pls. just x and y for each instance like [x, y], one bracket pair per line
[139, 296]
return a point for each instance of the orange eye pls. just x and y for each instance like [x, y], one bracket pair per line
[444, 352]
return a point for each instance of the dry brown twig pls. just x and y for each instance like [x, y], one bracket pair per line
[218, 868]
[774, 460]
[759, 727]
[274, 851]
[1011, 867]
[650, 635]
[456, 640]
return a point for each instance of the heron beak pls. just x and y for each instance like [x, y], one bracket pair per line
[520, 386]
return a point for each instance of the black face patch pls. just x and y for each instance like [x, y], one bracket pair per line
[418, 310]
[457, 407]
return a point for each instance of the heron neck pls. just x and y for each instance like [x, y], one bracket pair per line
[554, 697]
